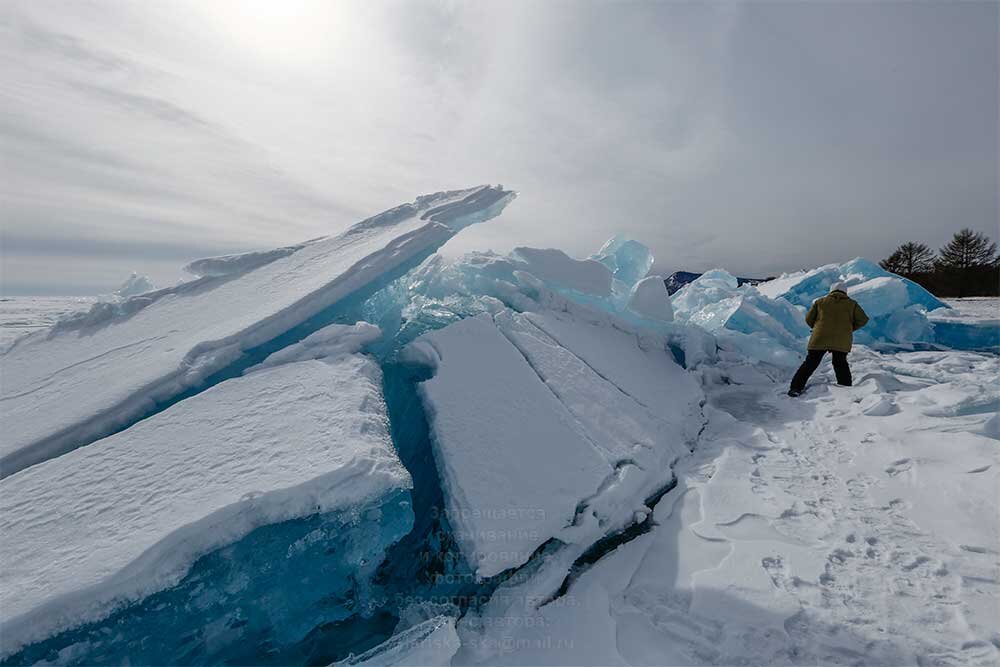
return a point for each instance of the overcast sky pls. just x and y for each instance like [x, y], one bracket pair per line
[760, 137]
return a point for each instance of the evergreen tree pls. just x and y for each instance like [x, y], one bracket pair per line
[893, 263]
[969, 262]
[968, 250]
[910, 258]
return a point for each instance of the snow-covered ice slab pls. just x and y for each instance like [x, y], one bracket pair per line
[85, 381]
[126, 516]
[432, 643]
[970, 324]
[513, 463]
[549, 426]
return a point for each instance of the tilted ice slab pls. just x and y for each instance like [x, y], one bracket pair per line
[547, 425]
[74, 385]
[126, 516]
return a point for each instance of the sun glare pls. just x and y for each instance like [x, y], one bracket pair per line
[291, 30]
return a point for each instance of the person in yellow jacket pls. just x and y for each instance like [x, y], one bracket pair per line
[833, 319]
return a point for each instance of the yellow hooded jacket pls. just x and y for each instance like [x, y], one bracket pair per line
[834, 318]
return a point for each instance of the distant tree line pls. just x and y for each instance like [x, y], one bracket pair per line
[966, 266]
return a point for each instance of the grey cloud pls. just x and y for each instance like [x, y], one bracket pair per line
[759, 136]
[155, 107]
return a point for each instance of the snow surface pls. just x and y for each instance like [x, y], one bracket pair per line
[559, 269]
[970, 323]
[227, 265]
[58, 392]
[22, 315]
[975, 308]
[126, 516]
[333, 340]
[622, 470]
[431, 643]
[815, 531]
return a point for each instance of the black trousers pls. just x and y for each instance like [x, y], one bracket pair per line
[809, 366]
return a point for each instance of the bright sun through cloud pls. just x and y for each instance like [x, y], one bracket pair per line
[289, 30]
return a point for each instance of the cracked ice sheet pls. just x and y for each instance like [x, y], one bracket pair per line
[67, 388]
[862, 538]
[539, 437]
[126, 516]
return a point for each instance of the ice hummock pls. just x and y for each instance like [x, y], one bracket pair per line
[897, 306]
[58, 392]
[134, 285]
[126, 516]
[582, 417]
[628, 260]
[770, 314]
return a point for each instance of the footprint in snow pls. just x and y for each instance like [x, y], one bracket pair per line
[920, 560]
[897, 467]
[974, 549]
[857, 487]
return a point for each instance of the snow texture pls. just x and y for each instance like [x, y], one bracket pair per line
[334, 340]
[851, 526]
[556, 268]
[126, 516]
[58, 392]
[22, 315]
[227, 265]
[431, 643]
[578, 423]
